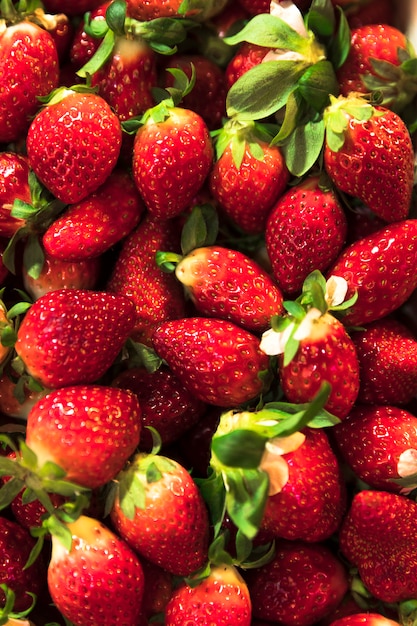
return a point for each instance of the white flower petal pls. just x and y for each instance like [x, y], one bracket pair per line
[273, 342]
[278, 54]
[304, 329]
[290, 13]
[336, 290]
[277, 469]
[283, 445]
[407, 463]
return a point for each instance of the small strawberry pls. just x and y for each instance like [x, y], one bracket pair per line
[84, 44]
[221, 598]
[381, 178]
[379, 443]
[14, 184]
[299, 586]
[91, 226]
[160, 513]
[306, 230]
[378, 536]
[365, 619]
[153, 9]
[95, 578]
[72, 336]
[218, 361]
[56, 142]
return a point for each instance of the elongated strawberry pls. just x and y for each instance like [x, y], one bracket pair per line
[221, 598]
[65, 337]
[90, 227]
[305, 582]
[217, 360]
[57, 138]
[379, 443]
[380, 268]
[368, 154]
[378, 536]
[156, 497]
[95, 578]
[306, 230]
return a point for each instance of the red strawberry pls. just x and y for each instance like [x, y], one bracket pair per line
[72, 336]
[17, 394]
[387, 354]
[379, 443]
[57, 138]
[221, 598]
[247, 56]
[90, 227]
[299, 586]
[365, 619]
[71, 7]
[380, 268]
[305, 231]
[249, 175]
[378, 536]
[14, 184]
[158, 588]
[171, 8]
[161, 514]
[97, 579]
[218, 361]
[165, 404]
[381, 178]
[84, 45]
[104, 421]
[29, 52]
[157, 295]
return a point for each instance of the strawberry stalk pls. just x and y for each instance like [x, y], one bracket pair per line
[6, 612]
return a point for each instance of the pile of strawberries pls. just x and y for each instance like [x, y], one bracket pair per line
[208, 347]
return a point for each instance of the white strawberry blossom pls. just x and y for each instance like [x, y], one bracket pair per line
[407, 466]
[336, 290]
[274, 464]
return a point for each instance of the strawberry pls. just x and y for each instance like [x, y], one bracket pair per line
[14, 184]
[158, 588]
[95, 578]
[382, 179]
[59, 336]
[27, 51]
[157, 295]
[246, 57]
[104, 421]
[249, 174]
[91, 226]
[149, 487]
[370, 12]
[18, 394]
[306, 230]
[221, 598]
[218, 361]
[365, 619]
[71, 7]
[387, 354]
[378, 537]
[84, 44]
[379, 444]
[299, 586]
[380, 268]
[57, 138]
[172, 8]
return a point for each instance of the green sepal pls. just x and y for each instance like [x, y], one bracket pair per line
[140, 355]
[317, 82]
[241, 448]
[6, 611]
[116, 16]
[132, 494]
[33, 256]
[214, 495]
[339, 46]
[9, 491]
[246, 497]
[303, 147]
[200, 229]
[167, 261]
[162, 34]
[337, 115]
[100, 57]
[320, 18]
[59, 530]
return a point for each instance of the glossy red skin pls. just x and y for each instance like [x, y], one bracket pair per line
[83, 45]
[72, 336]
[27, 51]
[378, 536]
[299, 586]
[387, 354]
[215, 359]
[247, 194]
[381, 268]
[227, 284]
[306, 230]
[56, 143]
[311, 505]
[90, 227]
[158, 588]
[247, 56]
[382, 179]
[365, 619]
[14, 172]
[103, 421]
[157, 295]
[185, 137]
[152, 9]
[371, 440]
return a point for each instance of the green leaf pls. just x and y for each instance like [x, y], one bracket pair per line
[213, 492]
[132, 493]
[270, 31]
[167, 261]
[303, 147]
[320, 18]
[9, 491]
[339, 46]
[22, 210]
[116, 15]
[240, 448]
[100, 57]
[317, 82]
[290, 121]
[255, 95]
[200, 228]
[153, 473]
[246, 496]
[8, 336]
[60, 531]
[33, 257]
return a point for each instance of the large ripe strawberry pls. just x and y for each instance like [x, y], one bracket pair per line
[73, 143]
[97, 578]
[103, 421]
[379, 443]
[221, 598]
[72, 336]
[90, 227]
[387, 354]
[381, 269]
[157, 295]
[249, 174]
[378, 536]
[160, 513]
[299, 586]
[29, 52]
[369, 155]
[306, 230]
[218, 361]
